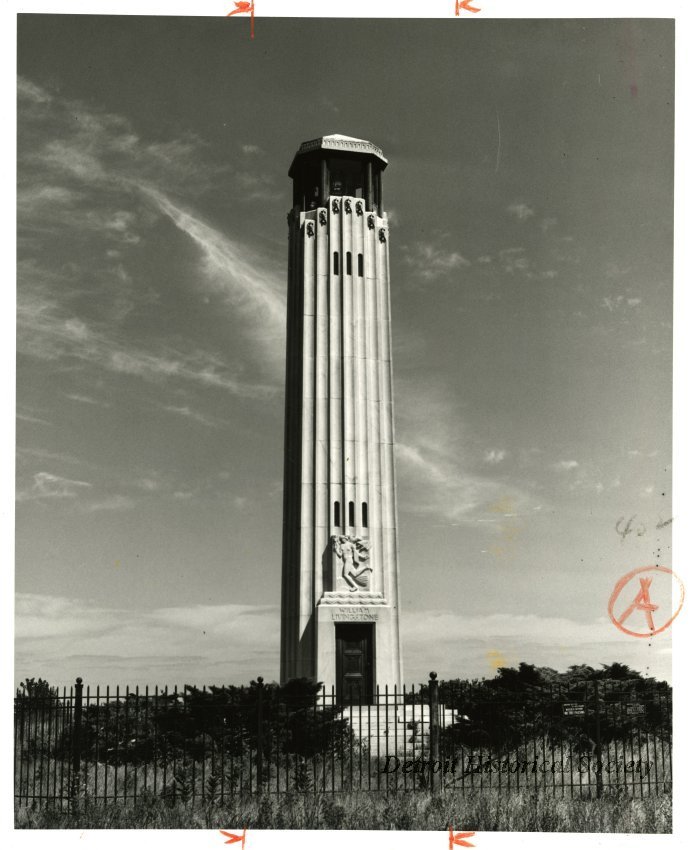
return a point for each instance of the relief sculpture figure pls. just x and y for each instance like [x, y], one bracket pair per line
[353, 555]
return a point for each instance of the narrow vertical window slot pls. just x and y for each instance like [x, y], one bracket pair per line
[349, 263]
[335, 262]
[360, 265]
[351, 514]
[364, 515]
[337, 514]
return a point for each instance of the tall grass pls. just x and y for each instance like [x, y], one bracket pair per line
[485, 811]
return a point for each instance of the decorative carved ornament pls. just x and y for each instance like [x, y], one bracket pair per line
[352, 555]
[359, 597]
[370, 222]
[334, 206]
[322, 216]
[348, 206]
[382, 234]
[310, 228]
[358, 207]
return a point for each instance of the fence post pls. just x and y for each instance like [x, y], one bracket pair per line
[434, 732]
[598, 744]
[260, 732]
[76, 739]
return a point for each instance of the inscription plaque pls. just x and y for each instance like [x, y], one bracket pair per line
[354, 615]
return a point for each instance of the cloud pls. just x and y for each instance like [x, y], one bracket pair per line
[460, 644]
[150, 484]
[615, 302]
[393, 217]
[614, 271]
[46, 332]
[48, 486]
[513, 260]
[436, 465]
[257, 186]
[200, 644]
[191, 414]
[231, 642]
[495, 455]
[566, 465]
[85, 399]
[520, 211]
[547, 224]
[251, 149]
[87, 176]
[246, 281]
[35, 420]
[430, 260]
[110, 503]
[28, 91]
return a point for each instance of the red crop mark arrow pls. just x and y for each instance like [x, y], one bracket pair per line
[465, 4]
[232, 837]
[457, 839]
[243, 7]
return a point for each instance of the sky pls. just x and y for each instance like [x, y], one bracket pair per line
[529, 191]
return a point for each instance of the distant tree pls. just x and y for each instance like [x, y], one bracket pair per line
[36, 693]
[528, 701]
[618, 671]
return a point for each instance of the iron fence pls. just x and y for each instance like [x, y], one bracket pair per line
[110, 745]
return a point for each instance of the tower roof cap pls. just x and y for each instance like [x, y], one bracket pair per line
[337, 142]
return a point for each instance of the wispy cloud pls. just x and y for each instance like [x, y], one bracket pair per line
[249, 285]
[199, 644]
[565, 465]
[520, 211]
[435, 465]
[556, 642]
[194, 415]
[48, 486]
[47, 332]
[88, 178]
[85, 399]
[514, 260]
[495, 456]
[430, 260]
[616, 302]
[230, 643]
[614, 271]
[115, 502]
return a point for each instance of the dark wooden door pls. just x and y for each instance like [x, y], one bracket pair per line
[354, 662]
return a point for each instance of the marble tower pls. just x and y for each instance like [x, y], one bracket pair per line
[339, 603]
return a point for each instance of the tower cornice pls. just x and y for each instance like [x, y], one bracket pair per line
[336, 142]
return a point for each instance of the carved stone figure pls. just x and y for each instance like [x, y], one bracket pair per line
[358, 207]
[347, 205]
[370, 222]
[352, 554]
[322, 216]
[382, 234]
[310, 228]
[334, 206]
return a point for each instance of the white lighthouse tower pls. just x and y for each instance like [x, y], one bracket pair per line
[339, 616]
